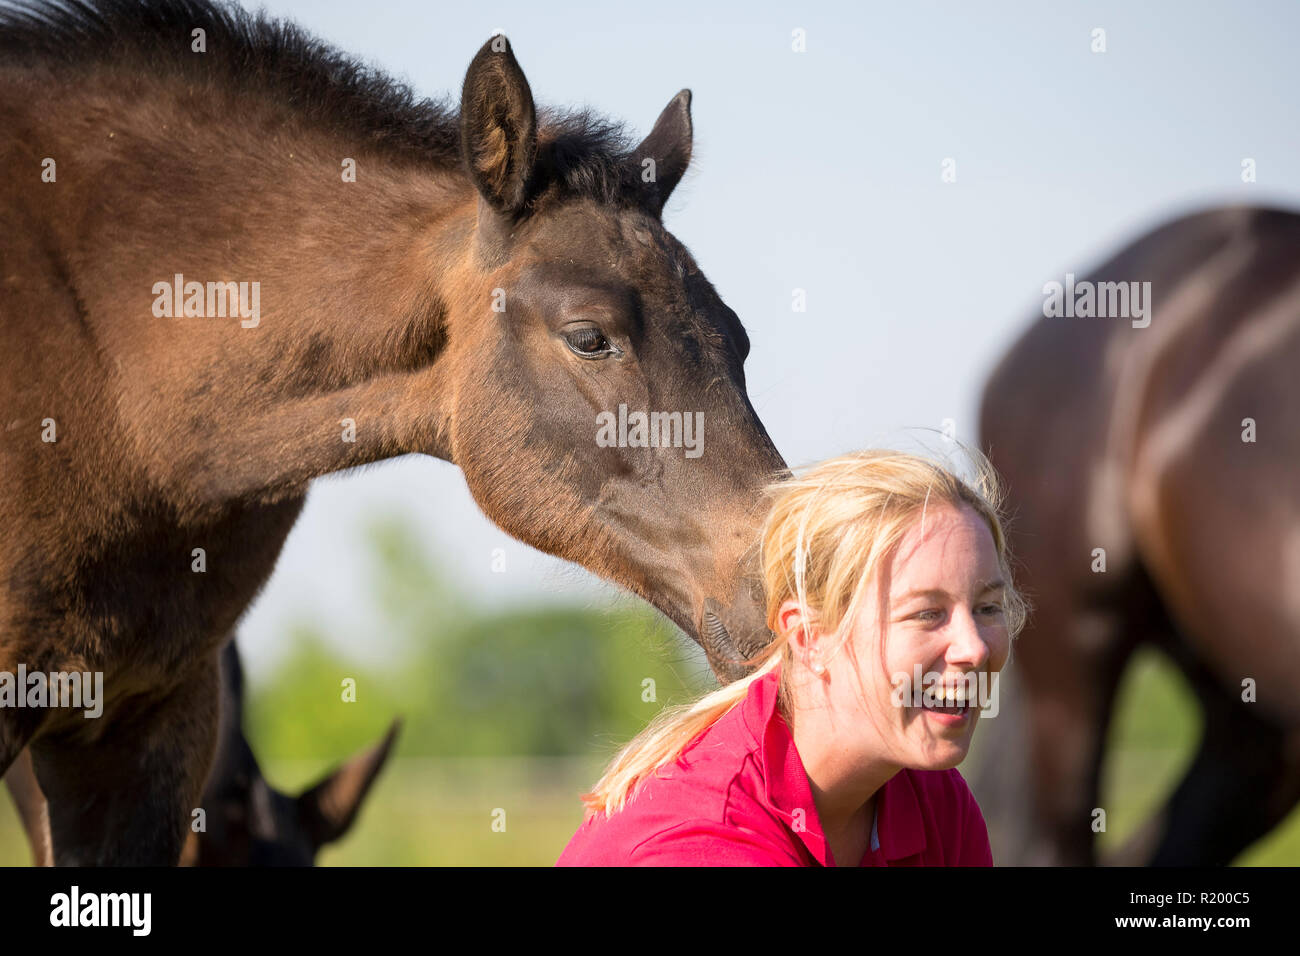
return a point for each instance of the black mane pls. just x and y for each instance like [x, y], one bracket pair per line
[583, 153]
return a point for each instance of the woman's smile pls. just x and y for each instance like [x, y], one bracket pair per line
[949, 717]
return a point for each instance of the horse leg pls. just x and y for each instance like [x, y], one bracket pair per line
[1244, 780]
[17, 728]
[123, 796]
[1069, 692]
[30, 802]
[18, 725]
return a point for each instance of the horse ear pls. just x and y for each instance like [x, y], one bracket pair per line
[328, 809]
[669, 145]
[498, 127]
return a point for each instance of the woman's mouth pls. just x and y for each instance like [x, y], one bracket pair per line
[948, 712]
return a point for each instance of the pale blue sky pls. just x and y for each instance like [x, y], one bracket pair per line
[821, 170]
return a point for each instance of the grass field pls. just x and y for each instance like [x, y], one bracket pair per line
[432, 812]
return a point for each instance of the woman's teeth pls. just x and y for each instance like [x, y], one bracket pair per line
[951, 699]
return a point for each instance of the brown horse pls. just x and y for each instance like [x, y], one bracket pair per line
[1153, 472]
[235, 260]
[246, 821]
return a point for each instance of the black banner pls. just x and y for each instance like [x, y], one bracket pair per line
[333, 904]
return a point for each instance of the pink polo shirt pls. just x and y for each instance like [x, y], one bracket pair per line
[739, 796]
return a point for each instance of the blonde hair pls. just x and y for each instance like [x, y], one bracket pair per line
[825, 535]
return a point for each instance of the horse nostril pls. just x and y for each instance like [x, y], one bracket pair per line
[715, 632]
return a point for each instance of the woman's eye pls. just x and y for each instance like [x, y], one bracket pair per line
[990, 609]
[930, 615]
[588, 342]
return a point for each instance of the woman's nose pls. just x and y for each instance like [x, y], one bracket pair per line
[967, 645]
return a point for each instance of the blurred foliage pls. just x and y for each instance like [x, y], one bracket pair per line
[1150, 744]
[1155, 706]
[470, 681]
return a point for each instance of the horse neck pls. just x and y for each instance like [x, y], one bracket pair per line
[351, 280]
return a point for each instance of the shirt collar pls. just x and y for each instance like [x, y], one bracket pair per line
[898, 811]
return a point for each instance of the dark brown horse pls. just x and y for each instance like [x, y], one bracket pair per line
[1167, 446]
[246, 821]
[234, 260]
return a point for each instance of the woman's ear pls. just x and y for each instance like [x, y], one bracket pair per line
[790, 620]
[804, 637]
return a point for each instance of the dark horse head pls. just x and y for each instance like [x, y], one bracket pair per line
[248, 821]
[603, 373]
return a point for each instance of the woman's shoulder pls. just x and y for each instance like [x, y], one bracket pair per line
[684, 821]
[709, 778]
[708, 806]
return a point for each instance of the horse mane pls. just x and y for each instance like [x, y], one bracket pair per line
[585, 154]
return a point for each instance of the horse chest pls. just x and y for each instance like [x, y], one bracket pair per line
[155, 599]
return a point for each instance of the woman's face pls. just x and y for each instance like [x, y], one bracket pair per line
[943, 618]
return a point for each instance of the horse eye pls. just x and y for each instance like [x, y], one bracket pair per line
[588, 342]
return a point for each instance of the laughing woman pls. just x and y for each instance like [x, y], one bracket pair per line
[879, 567]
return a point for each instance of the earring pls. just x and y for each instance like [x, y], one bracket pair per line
[819, 668]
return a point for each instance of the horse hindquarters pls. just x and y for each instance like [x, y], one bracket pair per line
[1089, 421]
[1217, 513]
